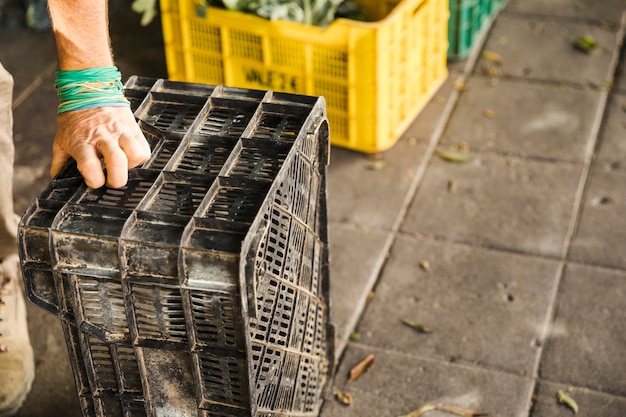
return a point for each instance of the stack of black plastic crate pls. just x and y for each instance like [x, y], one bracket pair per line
[201, 288]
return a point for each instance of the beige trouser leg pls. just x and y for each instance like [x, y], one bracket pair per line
[8, 219]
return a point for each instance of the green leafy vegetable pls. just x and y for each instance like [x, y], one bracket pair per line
[147, 8]
[310, 12]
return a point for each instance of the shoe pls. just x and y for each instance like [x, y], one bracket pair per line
[17, 366]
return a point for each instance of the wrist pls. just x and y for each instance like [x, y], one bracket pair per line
[90, 88]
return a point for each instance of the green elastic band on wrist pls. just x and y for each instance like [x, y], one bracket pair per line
[89, 88]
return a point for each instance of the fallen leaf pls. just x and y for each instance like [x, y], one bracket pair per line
[356, 336]
[376, 165]
[343, 397]
[511, 161]
[425, 265]
[456, 157]
[462, 146]
[494, 81]
[460, 85]
[417, 326]
[493, 57]
[419, 411]
[361, 368]
[454, 410]
[585, 44]
[451, 185]
[564, 398]
[489, 113]
[460, 411]
[491, 71]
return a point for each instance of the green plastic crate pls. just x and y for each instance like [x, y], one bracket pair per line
[468, 18]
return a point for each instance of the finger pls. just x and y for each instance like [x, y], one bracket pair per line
[59, 159]
[90, 167]
[136, 149]
[115, 162]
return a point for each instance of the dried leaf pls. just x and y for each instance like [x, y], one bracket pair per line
[564, 398]
[450, 409]
[454, 410]
[343, 397]
[419, 411]
[491, 71]
[460, 411]
[490, 114]
[493, 57]
[361, 368]
[417, 326]
[462, 146]
[451, 185]
[460, 85]
[425, 265]
[376, 165]
[456, 157]
[510, 161]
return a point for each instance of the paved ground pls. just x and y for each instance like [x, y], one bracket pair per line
[515, 260]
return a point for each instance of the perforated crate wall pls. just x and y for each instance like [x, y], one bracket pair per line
[200, 288]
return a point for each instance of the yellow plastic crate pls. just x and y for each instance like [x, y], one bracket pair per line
[376, 76]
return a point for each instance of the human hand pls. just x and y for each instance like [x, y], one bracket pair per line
[87, 135]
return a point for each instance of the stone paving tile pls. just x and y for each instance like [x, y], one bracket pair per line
[590, 403]
[587, 346]
[398, 384]
[522, 205]
[612, 146]
[609, 11]
[483, 307]
[517, 40]
[431, 115]
[370, 189]
[366, 190]
[355, 258]
[602, 228]
[527, 119]
[620, 76]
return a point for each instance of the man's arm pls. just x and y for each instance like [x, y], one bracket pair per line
[81, 30]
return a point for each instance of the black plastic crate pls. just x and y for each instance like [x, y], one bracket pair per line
[201, 288]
